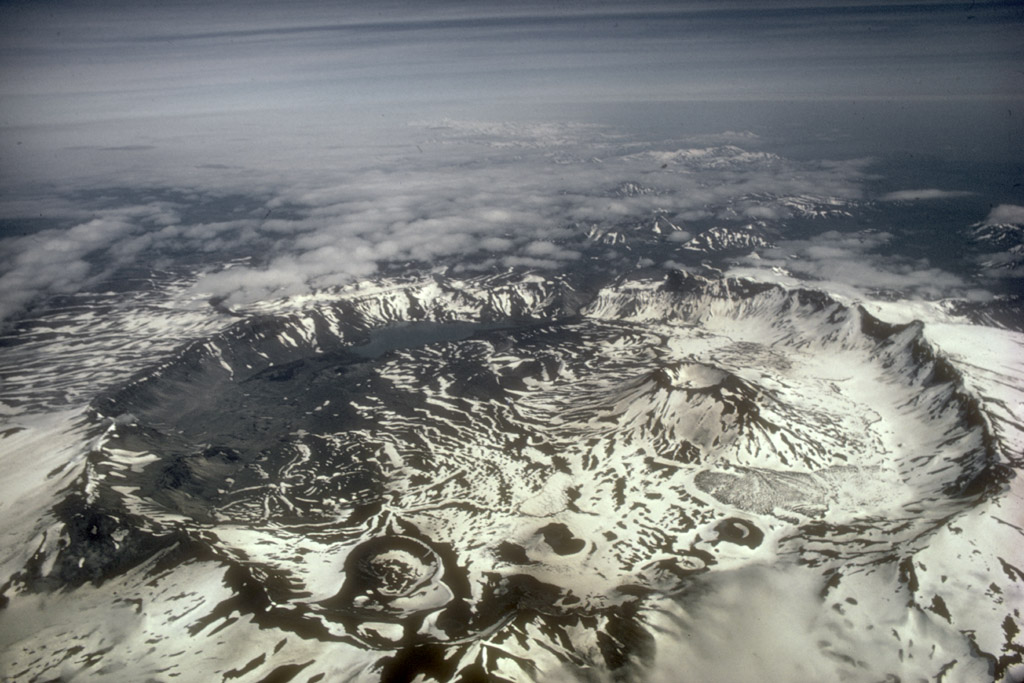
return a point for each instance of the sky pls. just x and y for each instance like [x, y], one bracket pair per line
[80, 62]
[360, 132]
[127, 76]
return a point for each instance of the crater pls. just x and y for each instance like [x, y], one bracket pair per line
[561, 539]
[394, 576]
[419, 458]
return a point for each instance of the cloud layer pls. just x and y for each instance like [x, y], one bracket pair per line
[925, 194]
[91, 90]
[856, 265]
[472, 194]
[116, 125]
[1005, 214]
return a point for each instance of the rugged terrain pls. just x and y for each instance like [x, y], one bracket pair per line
[516, 475]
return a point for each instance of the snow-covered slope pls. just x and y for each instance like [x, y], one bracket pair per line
[999, 235]
[743, 238]
[443, 477]
[1004, 247]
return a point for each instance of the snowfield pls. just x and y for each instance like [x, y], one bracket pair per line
[507, 474]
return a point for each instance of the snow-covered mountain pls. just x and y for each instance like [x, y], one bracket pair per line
[522, 476]
[715, 158]
[732, 238]
[816, 206]
[998, 235]
[741, 225]
[633, 232]
[1003, 244]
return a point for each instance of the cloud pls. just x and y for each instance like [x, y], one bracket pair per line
[918, 195]
[442, 201]
[778, 638]
[550, 250]
[470, 194]
[241, 57]
[764, 212]
[743, 138]
[1006, 214]
[56, 261]
[515, 134]
[852, 264]
[187, 91]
